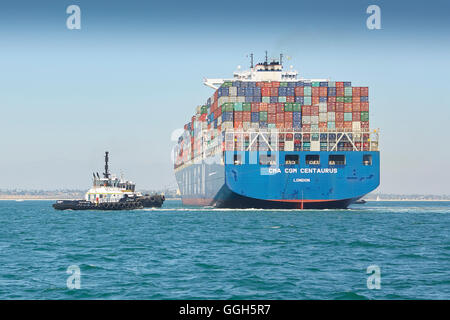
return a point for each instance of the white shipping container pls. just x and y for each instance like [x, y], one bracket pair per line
[323, 117]
[246, 125]
[232, 91]
[289, 146]
[314, 127]
[356, 126]
[306, 119]
[331, 116]
[223, 100]
[240, 99]
[315, 146]
[233, 99]
[314, 119]
[322, 107]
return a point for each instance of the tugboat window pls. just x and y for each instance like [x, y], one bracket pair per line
[367, 159]
[291, 159]
[312, 159]
[336, 160]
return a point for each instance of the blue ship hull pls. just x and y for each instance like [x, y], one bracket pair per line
[221, 183]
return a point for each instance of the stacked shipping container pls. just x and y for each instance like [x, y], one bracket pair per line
[303, 106]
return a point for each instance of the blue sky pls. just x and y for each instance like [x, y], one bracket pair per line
[133, 74]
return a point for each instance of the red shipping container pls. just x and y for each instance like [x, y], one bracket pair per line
[246, 116]
[216, 95]
[306, 127]
[238, 124]
[364, 91]
[315, 91]
[272, 108]
[339, 116]
[288, 116]
[356, 116]
[306, 110]
[314, 110]
[280, 117]
[339, 92]
[271, 118]
[238, 116]
[364, 106]
[288, 125]
[331, 99]
[365, 125]
[255, 106]
[315, 100]
[323, 91]
[263, 106]
[265, 92]
[298, 91]
[274, 92]
[348, 125]
[217, 113]
[280, 107]
[275, 84]
[347, 107]
[260, 84]
[290, 99]
[356, 106]
[331, 106]
[280, 125]
[322, 125]
[340, 125]
[339, 84]
[203, 117]
[356, 91]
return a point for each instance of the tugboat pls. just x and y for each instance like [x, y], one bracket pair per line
[111, 193]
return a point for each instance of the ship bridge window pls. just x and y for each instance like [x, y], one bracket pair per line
[268, 159]
[312, 159]
[291, 159]
[336, 160]
[367, 159]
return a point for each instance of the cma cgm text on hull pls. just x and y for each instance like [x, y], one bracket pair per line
[267, 139]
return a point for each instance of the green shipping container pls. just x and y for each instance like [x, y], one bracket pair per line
[288, 107]
[365, 116]
[227, 84]
[263, 116]
[265, 99]
[348, 99]
[283, 84]
[307, 91]
[307, 101]
[315, 84]
[347, 116]
[228, 107]
[246, 106]
[339, 99]
[204, 109]
[296, 107]
[238, 106]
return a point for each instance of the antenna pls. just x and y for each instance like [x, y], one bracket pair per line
[266, 56]
[251, 60]
[281, 58]
[106, 173]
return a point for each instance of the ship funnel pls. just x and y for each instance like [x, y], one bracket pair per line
[106, 173]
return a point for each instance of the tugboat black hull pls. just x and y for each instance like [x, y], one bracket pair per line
[138, 203]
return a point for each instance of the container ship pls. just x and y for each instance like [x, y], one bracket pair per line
[268, 138]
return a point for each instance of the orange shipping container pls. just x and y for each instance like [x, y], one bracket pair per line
[364, 106]
[272, 108]
[298, 91]
[347, 107]
[263, 106]
[290, 99]
[356, 106]
[315, 91]
[356, 91]
[323, 91]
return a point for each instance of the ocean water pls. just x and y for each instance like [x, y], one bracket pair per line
[188, 253]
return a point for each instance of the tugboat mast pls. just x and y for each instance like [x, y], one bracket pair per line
[106, 173]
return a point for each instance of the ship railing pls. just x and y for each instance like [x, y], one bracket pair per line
[255, 139]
